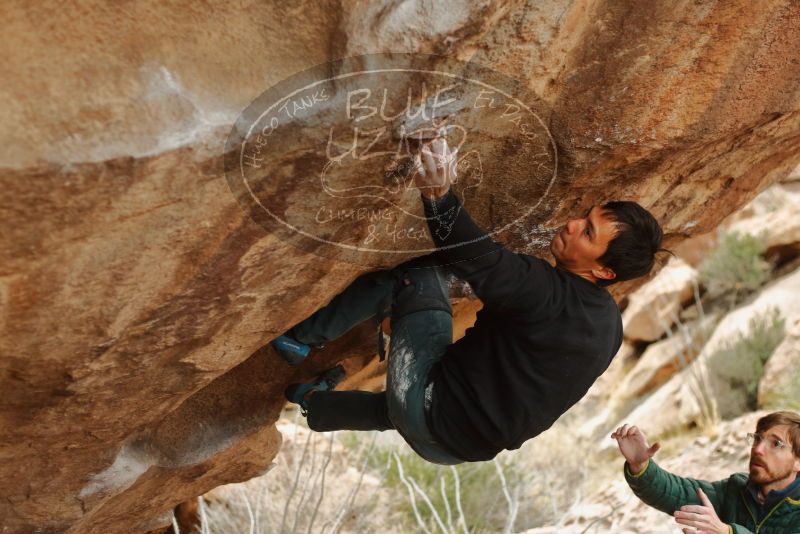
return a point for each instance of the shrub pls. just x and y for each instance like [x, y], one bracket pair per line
[518, 490]
[467, 495]
[740, 364]
[736, 267]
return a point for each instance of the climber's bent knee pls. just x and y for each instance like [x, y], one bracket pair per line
[420, 287]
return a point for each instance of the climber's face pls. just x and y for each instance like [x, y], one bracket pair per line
[578, 246]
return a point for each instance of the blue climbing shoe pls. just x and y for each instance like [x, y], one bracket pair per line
[327, 381]
[290, 349]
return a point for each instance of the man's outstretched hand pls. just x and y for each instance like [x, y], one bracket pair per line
[698, 519]
[436, 168]
[633, 446]
[701, 519]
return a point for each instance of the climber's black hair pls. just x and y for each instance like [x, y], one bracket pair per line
[631, 253]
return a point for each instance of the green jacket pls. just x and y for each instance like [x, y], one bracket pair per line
[667, 492]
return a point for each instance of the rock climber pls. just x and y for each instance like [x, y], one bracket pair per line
[765, 500]
[544, 334]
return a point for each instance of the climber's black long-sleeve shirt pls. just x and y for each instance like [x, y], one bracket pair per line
[542, 338]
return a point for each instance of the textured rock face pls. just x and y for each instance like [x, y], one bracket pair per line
[663, 359]
[654, 308]
[136, 294]
[779, 228]
[716, 381]
[780, 385]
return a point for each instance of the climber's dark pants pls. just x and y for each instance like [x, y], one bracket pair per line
[418, 341]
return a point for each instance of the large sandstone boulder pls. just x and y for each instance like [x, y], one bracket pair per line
[626, 384]
[136, 292]
[720, 382]
[779, 388]
[661, 360]
[772, 215]
[774, 220]
[780, 195]
[654, 307]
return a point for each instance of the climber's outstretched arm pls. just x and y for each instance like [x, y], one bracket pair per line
[495, 273]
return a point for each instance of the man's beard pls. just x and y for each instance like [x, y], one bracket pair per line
[765, 475]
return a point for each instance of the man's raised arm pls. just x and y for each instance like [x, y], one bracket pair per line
[494, 273]
[693, 503]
